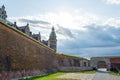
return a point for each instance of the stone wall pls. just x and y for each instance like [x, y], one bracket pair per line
[112, 62]
[72, 68]
[19, 52]
[95, 61]
[115, 63]
[72, 63]
[15, 75]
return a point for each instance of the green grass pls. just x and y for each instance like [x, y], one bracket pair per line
[114, 73]
[47, 77]
[69, 55]
[54, 75]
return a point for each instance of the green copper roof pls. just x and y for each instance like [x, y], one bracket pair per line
[53, 32]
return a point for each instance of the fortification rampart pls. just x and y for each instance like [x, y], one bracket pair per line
[21, 55]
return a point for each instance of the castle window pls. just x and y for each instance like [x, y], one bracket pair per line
[76, 63]
[70, 62]
[84, 63]
[2, 12]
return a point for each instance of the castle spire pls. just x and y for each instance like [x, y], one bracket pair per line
[53, 28]
[53, 34]
[3, 7]
[52, 42]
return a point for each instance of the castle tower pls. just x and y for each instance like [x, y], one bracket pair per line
[3, 14]
[3, 7]
[52, 42]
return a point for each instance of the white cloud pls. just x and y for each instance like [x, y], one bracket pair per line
[115, 22]
[96, 42]
[69, 19]
[74, 20]
[112, 1]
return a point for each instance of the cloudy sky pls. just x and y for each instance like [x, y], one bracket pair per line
[84, 28]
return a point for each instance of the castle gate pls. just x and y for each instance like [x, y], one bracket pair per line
[101, 64]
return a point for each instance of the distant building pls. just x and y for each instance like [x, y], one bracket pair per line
[52, 42]
[3, 14]
[109, 62]
[37, 36]
[15, 25]
[25, 29]
[45, 42]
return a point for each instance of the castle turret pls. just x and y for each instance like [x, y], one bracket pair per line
[52, 42]
[3, 7]
[3, 14]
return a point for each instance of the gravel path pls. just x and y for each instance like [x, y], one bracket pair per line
[101, 74]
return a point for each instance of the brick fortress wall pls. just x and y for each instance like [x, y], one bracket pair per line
[22, 56]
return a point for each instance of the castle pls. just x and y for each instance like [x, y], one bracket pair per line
[52, 42]
[24, 54]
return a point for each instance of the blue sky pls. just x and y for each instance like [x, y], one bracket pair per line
[30, 7]
[84, 27]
